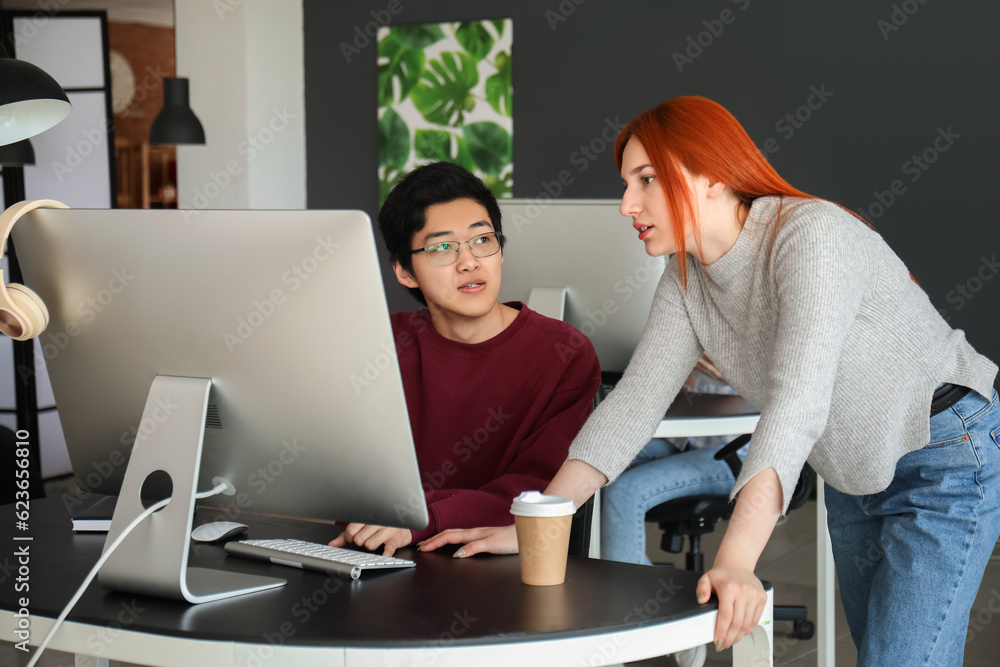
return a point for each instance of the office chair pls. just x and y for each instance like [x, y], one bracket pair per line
[694, 516]
[581, 530]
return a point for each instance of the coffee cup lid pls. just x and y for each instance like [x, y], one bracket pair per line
[536, 503]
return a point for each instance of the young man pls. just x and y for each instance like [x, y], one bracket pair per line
[496, 392]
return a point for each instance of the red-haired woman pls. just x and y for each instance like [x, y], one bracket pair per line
[811, 316]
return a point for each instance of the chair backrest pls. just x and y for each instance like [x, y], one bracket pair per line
[582, 530]
[803, 488]
[697, 515]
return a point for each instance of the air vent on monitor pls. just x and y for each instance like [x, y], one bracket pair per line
[212, 419]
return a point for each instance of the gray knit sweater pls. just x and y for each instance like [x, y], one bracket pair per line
[826, 334]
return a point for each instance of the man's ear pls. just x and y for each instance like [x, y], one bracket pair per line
[404, 277]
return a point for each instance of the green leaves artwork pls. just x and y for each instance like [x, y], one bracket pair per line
[445, 92]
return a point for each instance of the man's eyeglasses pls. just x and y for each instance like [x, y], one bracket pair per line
[446, 252]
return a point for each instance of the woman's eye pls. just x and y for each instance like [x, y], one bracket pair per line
[646, 180]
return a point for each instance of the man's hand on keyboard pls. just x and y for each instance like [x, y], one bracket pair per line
[474, 541]
[372, 537]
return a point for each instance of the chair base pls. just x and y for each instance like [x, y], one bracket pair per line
[802, 627]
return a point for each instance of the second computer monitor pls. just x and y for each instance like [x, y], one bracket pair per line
[588, 247]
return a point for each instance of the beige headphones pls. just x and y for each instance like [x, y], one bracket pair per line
[23, 314]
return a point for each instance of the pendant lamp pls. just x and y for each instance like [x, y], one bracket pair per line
[176, 123]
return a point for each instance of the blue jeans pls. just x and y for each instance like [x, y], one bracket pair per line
[659, 473]
[910, 559]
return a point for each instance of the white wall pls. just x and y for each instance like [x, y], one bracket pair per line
[244, 59]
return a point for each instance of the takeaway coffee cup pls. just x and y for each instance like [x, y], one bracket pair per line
[542, 523]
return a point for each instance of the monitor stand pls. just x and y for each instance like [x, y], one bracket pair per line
[549, 301]
[152, 560]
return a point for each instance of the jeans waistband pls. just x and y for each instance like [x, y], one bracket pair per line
[946, 396]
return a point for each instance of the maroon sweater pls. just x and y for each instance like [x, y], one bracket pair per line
[492, 419]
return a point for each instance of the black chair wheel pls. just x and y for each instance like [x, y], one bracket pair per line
[803, 629]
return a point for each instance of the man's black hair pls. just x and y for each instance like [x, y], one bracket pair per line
[404, 212]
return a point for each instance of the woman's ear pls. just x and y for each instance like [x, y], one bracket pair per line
[404, 277]
[715, 188]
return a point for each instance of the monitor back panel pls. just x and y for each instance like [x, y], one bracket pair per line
[590, 248]
[283, 310]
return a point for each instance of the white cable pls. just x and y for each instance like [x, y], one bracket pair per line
[222, 486]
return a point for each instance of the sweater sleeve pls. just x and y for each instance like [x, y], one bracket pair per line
[820, 270]
[625, 421]
[533, 463]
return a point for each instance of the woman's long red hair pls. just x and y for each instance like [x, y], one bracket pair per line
[704, 137]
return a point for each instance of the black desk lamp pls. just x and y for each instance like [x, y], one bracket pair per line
[30, 102]
[17, 154]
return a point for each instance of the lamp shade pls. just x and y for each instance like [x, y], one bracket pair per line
[176, 123]
[30, 100]
[17, 154]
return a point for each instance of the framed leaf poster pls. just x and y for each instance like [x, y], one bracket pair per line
[445, 93]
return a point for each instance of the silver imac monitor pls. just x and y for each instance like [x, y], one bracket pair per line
[580, 261]
[248, 346]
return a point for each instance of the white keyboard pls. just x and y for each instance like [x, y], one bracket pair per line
[312, 556]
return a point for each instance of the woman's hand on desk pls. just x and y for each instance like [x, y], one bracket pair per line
[741, 596]
[474, 541]
[373, 537]
[741, 602]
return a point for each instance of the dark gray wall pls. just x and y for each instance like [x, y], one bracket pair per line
[908, 103]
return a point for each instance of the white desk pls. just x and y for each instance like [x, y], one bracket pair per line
[725, 415]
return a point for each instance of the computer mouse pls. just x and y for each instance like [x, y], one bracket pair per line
[217, 530]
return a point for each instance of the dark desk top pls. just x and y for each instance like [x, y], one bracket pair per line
[693, 405]
[478, 600]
